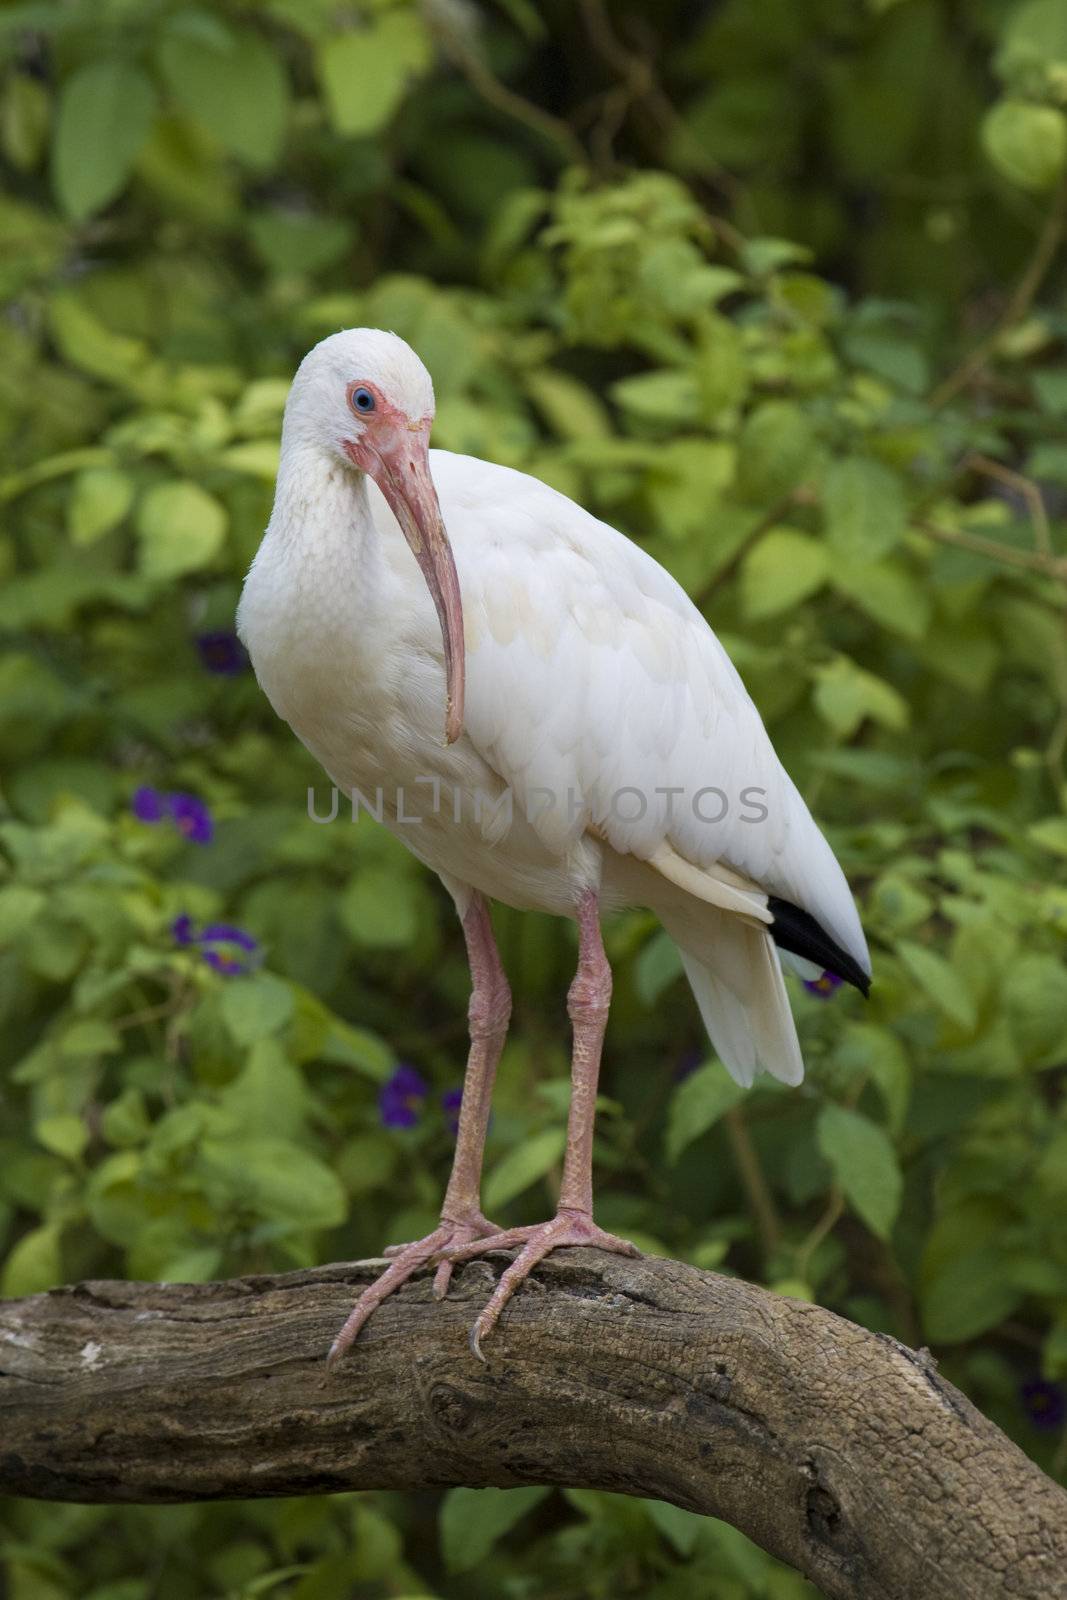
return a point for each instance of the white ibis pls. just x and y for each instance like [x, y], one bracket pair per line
[463, 645]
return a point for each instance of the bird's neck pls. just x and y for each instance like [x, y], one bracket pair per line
[320, 505]
[320, 570]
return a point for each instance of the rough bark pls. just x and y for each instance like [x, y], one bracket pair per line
[838, 1450]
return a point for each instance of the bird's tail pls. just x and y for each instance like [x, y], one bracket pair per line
[736, 977]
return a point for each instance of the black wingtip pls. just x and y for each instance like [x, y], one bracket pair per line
[798, 932]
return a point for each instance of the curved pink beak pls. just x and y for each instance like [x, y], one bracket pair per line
[399, 463]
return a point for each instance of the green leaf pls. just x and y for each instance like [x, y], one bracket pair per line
[1050, 833]
[115, 1199]
[784, 568]
[866, 1048]
[19, 906]
[24, 119]
[1050, 387]
[299, 241]
[777, 444]
[1052, 1170]
[366, 71]
[1035, 996]
[970, 1293]
[272, 1177]
[258, 458]
[34, 1264]
[256, 1006]
[866, 513]
[1027, 144]
[887, 593]
[100, 498]
[664, 397]
[34, 245]
[125, 1121]
[355, 1047]
[1033, 45]
[105, 112]
[523, 1165]
[269, 1096]
[845, 695]
[472, 1520]
[658, 965]
[65, 1135]
[697, 1104]
[92, 346]
[90, 1037]
[181, 529]
[679, 1527]
[864, 1163]
[940, 981]
[891, 356]
[763, 255]
[570, 408]
[379, 909]
[232, 82]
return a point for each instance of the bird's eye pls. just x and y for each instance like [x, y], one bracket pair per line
[362, 400]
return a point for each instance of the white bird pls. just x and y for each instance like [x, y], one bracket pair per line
[599, 751]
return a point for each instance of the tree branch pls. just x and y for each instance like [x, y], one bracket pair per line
[838, 1450]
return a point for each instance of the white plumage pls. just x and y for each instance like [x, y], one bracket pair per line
[594, 687]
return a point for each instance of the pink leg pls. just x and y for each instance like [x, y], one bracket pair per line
[587, 1004]
[461, 1218]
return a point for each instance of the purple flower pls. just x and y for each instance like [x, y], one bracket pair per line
[222, 653]
[148, 805]
[451, 1101]
[191, 817]
[222, 945]
[823, 987]
[400, 1098]
[1045, 1403]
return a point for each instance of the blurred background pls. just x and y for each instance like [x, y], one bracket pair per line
[776, 288]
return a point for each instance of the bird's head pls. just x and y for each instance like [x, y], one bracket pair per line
[366, 397]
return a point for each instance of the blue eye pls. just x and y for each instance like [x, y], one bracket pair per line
[362, 400]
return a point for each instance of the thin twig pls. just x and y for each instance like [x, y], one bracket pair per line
[802, 495]
[753, 1181]
[1023, 486]
[639, 85]
[1019, 303]
[829, 1219]
[137, 1019]
[484, 81]
[1030, 560]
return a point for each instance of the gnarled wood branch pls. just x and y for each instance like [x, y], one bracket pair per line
[838, 1450]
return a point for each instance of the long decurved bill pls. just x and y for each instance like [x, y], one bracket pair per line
[401, 470]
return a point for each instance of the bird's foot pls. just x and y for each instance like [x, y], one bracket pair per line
[565, 1228]
[452, 1233]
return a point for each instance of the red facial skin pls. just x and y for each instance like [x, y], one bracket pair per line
[394, 451]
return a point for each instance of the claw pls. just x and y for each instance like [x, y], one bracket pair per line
[565, 1228]
[474, 1340]
[404, 1261]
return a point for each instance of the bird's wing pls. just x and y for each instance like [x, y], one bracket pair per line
[595, 688]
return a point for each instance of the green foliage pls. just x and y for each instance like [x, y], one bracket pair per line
[103, 116]
[472, 1520]
[736, 328]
